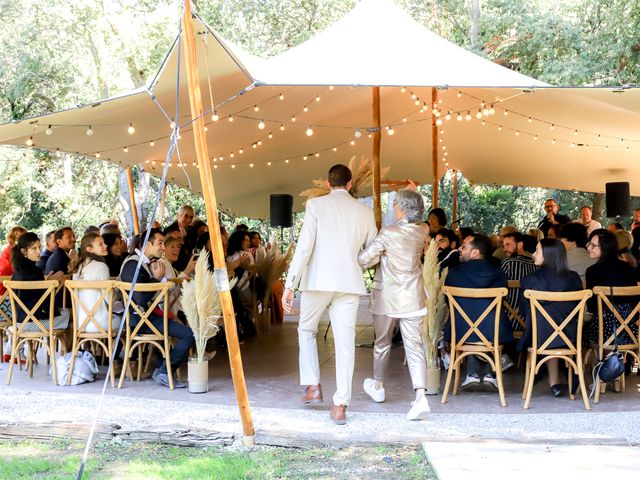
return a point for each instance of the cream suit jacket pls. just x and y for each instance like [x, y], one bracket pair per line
[336, 227]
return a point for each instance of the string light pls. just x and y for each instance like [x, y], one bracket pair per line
[459, 94]
[256, 108]
[281, 97]
[459, 117]
[390, 131]
[270, 136]
[241, 151]
[403, 89]
[305, 109]
[131, 130]
[172, 125]
[282, 127]
[215, 117]
[89, 131]
[97, 154]
[125, 149]
[268, 164]
[317, 154]
[230, 118]
[49, 130]
[357, 134]
[152, 143]
[29, 142]
[309, 131]
[499, 128]
[293, 118]
[517, 133]
[331, 87]
[479, 114]
[261, 125]
[575, 132]
[439, 121]
[317, 98]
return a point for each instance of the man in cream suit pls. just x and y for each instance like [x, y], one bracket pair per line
[325, 265]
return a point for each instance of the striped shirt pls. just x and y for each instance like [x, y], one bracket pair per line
[516, 268]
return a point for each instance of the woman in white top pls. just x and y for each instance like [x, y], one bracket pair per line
[91, 266]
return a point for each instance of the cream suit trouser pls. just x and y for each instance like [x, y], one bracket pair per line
[411, 329]
[343, 308]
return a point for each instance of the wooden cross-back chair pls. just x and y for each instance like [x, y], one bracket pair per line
[137, 339]
[488, 350]
[571, 352]
[512, 313]
[5, 318]
[103, 337]
[623, 325]
[32, 330]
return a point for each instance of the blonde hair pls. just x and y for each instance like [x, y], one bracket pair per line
[15, 233]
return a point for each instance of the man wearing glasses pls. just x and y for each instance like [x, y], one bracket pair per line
[552, 217]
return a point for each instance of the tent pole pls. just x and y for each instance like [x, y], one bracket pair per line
[206, 178]
[434, 150]
[454, 210]
[132, 199]
[162, 202]
[375, 157]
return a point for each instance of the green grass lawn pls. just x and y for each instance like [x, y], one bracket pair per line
[60, 460]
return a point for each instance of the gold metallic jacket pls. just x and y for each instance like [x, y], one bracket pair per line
[399, 249]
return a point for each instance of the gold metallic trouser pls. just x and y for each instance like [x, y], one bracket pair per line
[411, 329]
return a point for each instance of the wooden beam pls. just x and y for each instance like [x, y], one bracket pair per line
[132, 200]
[454, 211]
[434, 150]
[206, 179]
[375, 156]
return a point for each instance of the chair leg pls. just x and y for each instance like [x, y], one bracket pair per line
[583, 388]
[447, 384]
[33, 350]
[570, 381]
[532, 373]
[125, 363]
[140, 357]
[53, 342]
[110, 354]
[498, 370]
[456, 382]
[14, 353]
[167, 359]
[527, 372]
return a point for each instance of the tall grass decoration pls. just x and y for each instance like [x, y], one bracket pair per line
[436, 307]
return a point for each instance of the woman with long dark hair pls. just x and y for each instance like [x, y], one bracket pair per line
[553, 276]
[608, 270]
[91, 266]
[116, 252]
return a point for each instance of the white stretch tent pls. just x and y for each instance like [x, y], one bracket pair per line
[572, 138]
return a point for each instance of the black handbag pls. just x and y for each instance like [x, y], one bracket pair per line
[612, 366]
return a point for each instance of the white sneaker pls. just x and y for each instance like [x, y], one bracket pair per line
[470, 381]
[446, 360]
[490, 380]
[377, 395]
[419, 409]
[505, 362]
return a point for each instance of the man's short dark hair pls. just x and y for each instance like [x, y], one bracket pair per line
[339, 175]
[49, 236]
[242, 227]
[153, 233]
[574, 232]
[517, 237]
[440, 215]
[529, 243]
[482, 243]
[60, 232]
[465, 232]
[449, 235]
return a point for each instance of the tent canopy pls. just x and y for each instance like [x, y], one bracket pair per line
[322, 84]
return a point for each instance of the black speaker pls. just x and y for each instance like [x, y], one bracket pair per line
[281, 207]
[618, 199]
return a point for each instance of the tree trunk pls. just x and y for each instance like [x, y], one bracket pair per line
[475, 24]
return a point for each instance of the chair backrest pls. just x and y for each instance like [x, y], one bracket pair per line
[557, 325]
[4, 316]
[513, 313]
[48, 288]
[495, 295]
[104, 289]
[622, 324]
[60, 287]
[144, 312]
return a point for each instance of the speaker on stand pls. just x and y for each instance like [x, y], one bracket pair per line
[618, 200]
[281, 212]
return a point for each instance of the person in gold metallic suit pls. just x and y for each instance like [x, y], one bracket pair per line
[398, 296]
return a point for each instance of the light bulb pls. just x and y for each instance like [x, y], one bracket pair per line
[492, 110]
[459, 117]
[241, 151]
[29, 142]
[125, 149]
[499, 128]
[553, 142]
[270, 136]
[448, 115]
[552, 126]
[230, 118]
[573, 145]
[468, 117]
[97, 154]
[49, 130]
[286, 161]
[231, 155]
[256, 108]
[535, 137]
[261, 125]
[506, 113]
[439, 121]
[305, 157]
[89, 131]
[529, 120]
[251, 165]
[459, 94]
[233, 166]
[403, 89]
[317, 98]
[131, 130]
[413, 96]
[479, 114]
[206, 129]
[268, 164]
[331, 87]
[390, 131]
[309, 131]
[335, 149]
[575, 132]
[417, 102]
[404, 119]
[486, 112]
[483, 123]
[293, 118]
[282, 127]
[281, 97]
[259, 142]
[517, 133]
[352, 142]
[215, 117]
[357, 133]
[152, 143]
[317, 154]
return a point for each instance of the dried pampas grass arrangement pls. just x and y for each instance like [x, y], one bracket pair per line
[269, 267]
[201, 304]
[436, 307]
[362, 177]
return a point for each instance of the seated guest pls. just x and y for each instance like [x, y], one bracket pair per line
[476, 271]
[464, 232]
[608, 270]
[152, 271]
[242, 228]
[23, 260]
[614, 227]
[574, 238]
[255, 242]
[397, 250]
[111, 229]
[239, 247]
[624, 241]
[437, 219]
[49, 247]
[534, 232]
[91, 229]
[65, 248]
[172, 246]
[585, 219]
[553, 276]
[183, 222]
[91, 266]
[499, 252]
[518, 264]
[116, 252]
[448, 243]
[6, 270]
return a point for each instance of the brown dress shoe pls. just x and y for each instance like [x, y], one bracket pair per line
[338, 414]
[313, 394]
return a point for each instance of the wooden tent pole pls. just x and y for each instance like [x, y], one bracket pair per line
[434, 150]
[163, 199]
[206, 179]
[454, 210]
[132, 199]
[375, 157]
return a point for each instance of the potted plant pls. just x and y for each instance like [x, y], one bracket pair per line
[269, 267]
[436, 313]
[201, 305]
